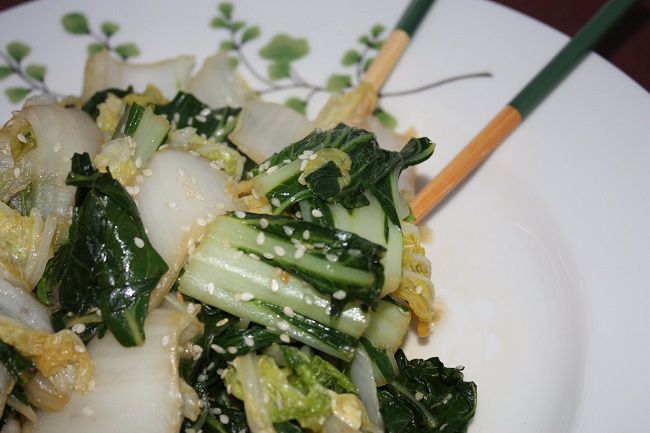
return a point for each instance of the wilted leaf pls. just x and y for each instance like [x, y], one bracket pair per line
[17, 94]
[284, 48]
[36, 72]
[337, 83]
[75, 23]
[278, 70]
[17, 50]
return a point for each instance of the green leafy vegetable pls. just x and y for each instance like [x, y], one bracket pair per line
[108, 262]
[427, 396]
[91, 105]
[19, 368]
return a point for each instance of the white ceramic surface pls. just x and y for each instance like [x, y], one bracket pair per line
[541, 260]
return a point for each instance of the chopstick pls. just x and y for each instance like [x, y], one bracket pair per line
[396, 43]
[481, 146]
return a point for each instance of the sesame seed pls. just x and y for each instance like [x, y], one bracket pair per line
[16, 172]
[332, 257]
[287, 230]
[205, 112]
[57, 147]
[80, 348]
[285, 338]
[222, 322]
[299, 253]
[419, 395]
[232, 350]
[339, 294]
[260, 238]
[224, 419]
[302, 180]
[253, 256]
[305, 234]
[275, 202]
[138, 162]
[165, 340]
[316, 213]
[319, 245]
[286, 161]
[264, 223]
[248, 341]
[200, 118]
[303, 165]
[201, 221]
[217, 349]
[282, 325]
[211, 288]
[418, 290]
[147, 172]
[272, 169]
[278, 250]
[201, 377]
[275, 286]
[268, 256]
[298, 214]
[171, 204]
[21, 138]
[288, 311]
[246, 296]
[240, 214]
[138, 242]
[190, 308]
[354, 252]
[78, 328]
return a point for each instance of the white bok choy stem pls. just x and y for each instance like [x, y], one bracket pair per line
[137, 389]
[23, 307]
[248, 374]
[361, 373]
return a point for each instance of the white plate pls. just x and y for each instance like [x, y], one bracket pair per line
[541, 260]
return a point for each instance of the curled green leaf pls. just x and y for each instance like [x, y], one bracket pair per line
[18, 50]
[284, 48]
[75, 23]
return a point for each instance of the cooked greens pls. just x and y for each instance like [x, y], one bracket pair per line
[107, 263]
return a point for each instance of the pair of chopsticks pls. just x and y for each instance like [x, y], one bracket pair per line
[474, 153]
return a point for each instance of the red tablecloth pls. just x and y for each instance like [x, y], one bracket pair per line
[628, 46]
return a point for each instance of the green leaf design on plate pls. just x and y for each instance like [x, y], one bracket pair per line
[36, 72]
[250, 33]
[17, 94]
[278, 70]
[127, 50]
[226, 46]
[297, 104]
[337, 83]
[218, 23]
[367, 63]
[234, 62]
[350, 58]
[377, 30]
[18, 50]
[75, 23]
[5, 71]
[284, 48]
[385, 118]
[94, 48]
[109, 28]
[226, 9]
[238, 25]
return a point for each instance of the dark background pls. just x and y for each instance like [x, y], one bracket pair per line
[627, 46]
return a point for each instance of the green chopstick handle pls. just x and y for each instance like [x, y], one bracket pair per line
[413, 15]
[577, 48]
